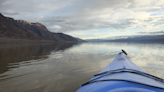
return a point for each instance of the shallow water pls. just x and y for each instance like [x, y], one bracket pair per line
[63, 67]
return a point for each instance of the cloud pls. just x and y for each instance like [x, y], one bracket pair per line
[56, 27]
[125, 31]
[107, 14]
[37, 6]
[152, 26]
[84, 15]
[89, 36]
[4, 5]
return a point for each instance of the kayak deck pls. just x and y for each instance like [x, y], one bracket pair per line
[123, 74]
[121, 62]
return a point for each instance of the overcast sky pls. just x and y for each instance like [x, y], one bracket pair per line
[91, 19]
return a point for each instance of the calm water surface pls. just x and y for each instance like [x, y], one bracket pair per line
[63, 67]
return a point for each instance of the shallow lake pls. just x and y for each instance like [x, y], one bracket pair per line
[63, 67]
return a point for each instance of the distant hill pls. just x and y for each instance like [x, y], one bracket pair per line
[20, 29]
[80, 40]
[96, 40]
[146, 38]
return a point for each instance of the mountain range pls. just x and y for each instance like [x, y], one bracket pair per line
[23, 30]
[139, 38]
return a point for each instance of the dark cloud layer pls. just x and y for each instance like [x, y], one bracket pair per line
[152, 33]
[8, 13]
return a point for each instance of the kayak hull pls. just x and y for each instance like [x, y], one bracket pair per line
[122, 74]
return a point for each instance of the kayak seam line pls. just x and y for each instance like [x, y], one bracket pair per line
[131, 71]
[121, 80]
[139, 73]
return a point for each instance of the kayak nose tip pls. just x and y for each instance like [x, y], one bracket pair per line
[124, 52]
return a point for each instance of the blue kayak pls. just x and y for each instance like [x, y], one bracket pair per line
[121, 75]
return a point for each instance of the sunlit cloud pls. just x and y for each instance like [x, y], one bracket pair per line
[125, 31]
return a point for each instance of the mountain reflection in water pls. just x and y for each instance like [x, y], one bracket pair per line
[63, 67]
[15, 53]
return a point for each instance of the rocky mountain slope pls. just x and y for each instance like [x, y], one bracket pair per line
[20, 29]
